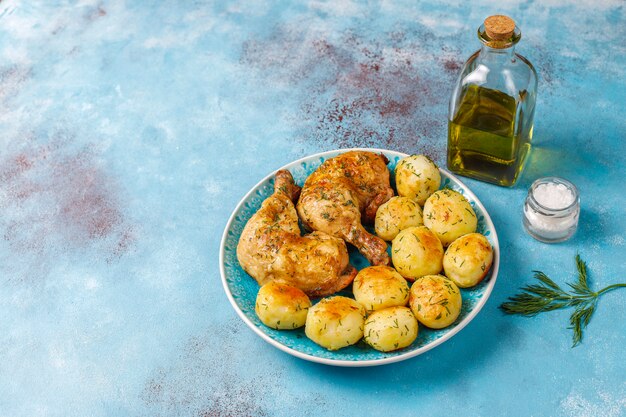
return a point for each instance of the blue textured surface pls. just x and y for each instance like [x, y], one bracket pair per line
[130, 130]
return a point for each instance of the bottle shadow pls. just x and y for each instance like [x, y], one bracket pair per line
[545, 161]
[590, 226]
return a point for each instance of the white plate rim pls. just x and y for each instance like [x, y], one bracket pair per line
[370, 362]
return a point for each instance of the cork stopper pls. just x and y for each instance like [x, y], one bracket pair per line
[499, 27]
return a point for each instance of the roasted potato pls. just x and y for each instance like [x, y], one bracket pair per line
[335, 322]
[468, 259]
[281, 306]
[390, 329]
[435, 300]
[449, 215]
[396, 214]
[417, 177]
[417, 251]
[378, 287]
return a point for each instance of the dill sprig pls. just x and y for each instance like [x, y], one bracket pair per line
[546, 295]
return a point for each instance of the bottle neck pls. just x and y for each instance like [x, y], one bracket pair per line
[496, 54]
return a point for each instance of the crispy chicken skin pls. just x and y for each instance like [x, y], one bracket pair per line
[341, 193]
[272, 249]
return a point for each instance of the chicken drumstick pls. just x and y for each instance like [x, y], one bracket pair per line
[271, 248]
[343, 191]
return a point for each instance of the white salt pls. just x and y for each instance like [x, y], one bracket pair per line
[551, 210]
[554, 196]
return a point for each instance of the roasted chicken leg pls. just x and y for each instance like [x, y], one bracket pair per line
[343, 191]
[271, 247]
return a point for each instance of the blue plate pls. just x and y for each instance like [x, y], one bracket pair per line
[242, 289]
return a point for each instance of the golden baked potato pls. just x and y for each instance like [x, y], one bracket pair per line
[396, 214]
[281, 306]
[417, 251]
[335, 322]
[449, 215]
[378, 287]
[468, 259]
[390, 329]
[435, 300]
[417, 177]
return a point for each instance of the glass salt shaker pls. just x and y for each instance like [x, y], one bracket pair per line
[490, 122]
[551, 210]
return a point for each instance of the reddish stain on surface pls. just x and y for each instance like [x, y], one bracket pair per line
[452, 65]
[54, 200]
[87, 206]
[95, 13]
[356, 91]
[125, 242]
[15, 166]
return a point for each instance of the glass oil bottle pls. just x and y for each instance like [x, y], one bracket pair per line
[490, 123]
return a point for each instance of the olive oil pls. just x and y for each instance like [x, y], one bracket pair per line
[483, 141]
[490, 120]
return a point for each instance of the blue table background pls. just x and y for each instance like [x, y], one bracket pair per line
[130, 130]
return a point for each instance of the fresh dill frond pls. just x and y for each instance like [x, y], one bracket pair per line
[547, 295]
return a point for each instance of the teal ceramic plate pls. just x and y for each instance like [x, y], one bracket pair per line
[241, 289]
